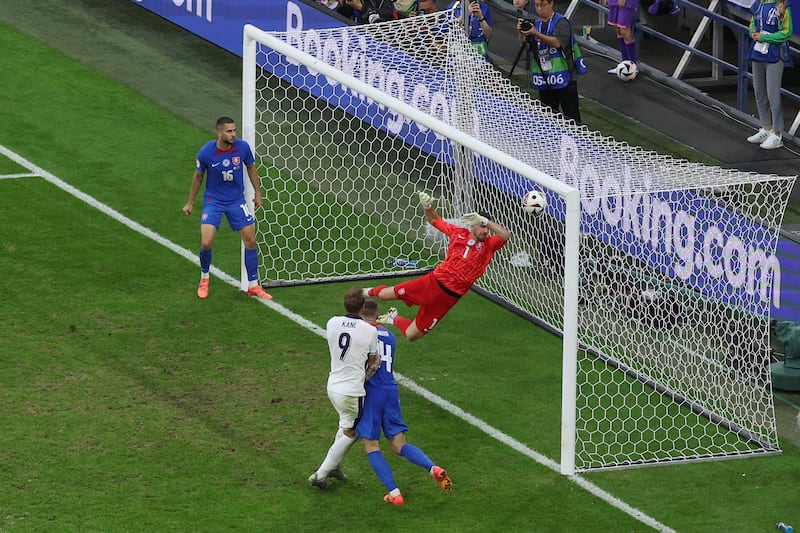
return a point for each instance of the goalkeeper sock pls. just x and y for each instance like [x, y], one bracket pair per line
[382, 470]
[375, 291]
[251, 263]
[402, 323]
[416, 456]
[205, 259]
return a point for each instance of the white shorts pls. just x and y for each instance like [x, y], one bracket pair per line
[348, 407]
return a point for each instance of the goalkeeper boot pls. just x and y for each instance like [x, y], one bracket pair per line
[202, 288]
[338, 473]
[319, 482]
[394, 500]
[388, 317]
[442, 478]
[257, 291]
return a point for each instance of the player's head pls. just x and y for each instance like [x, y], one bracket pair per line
[226, 130]
[481, 232]
[369, 311]
[354, 300]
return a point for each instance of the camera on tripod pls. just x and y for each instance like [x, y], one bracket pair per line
[525, 25]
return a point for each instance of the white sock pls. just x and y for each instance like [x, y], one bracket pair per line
[336, 454]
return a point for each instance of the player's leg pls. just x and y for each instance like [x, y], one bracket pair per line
[207, 234]
[384, 472]
[349, 408]
[414, 455]
[243, 222]
[626, 22]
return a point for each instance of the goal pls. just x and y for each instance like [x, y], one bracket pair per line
[659, 274]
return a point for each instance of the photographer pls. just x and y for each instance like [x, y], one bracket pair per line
[480, 25]
[367, 11]
[553, 69]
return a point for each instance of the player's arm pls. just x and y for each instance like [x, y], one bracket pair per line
[373, 364]
[197, 182]
[498, 230]
[252, 173]
[426, 201]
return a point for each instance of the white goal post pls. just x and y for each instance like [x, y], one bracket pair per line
[659, 274]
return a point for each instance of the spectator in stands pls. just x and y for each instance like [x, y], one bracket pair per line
[771, 29]
[622, 15]
[480, 25]
[553, 65]
[426, 7]
[368, 11]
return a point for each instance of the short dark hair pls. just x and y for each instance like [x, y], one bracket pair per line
[370, 308]
[487, 215]
[221, 121]
[354, 300]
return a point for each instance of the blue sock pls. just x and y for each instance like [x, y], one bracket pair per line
[416, 456]
[382, 470]
[623, 49]
[251, 263]
[205, 259]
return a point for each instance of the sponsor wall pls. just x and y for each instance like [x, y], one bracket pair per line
[221, 22]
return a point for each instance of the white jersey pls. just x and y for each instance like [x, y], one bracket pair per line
[350, 341]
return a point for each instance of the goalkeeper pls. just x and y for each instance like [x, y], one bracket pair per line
[469, 252]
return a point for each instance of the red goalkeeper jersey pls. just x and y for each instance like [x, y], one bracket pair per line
[467, 258]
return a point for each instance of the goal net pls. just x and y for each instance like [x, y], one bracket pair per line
[659, 273]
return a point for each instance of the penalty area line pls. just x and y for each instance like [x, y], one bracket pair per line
[411, 385]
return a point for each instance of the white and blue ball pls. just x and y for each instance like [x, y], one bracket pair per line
[627, 70]
[534, 202]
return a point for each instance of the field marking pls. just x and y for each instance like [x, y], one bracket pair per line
[410, 384]
[14, 176]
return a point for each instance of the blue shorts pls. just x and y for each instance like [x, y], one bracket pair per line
[381, 411]
[237, 213]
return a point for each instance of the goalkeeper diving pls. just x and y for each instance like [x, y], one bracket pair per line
[469, 252]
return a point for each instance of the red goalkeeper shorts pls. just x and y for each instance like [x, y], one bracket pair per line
[434, 299]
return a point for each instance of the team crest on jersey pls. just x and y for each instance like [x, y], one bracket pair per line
[237, 160]
[480, 245]
[471, 242]
[401, 292]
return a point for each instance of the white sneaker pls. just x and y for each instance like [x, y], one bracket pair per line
[772, 142]
[759, 137]
[388, 317]
[613, 71]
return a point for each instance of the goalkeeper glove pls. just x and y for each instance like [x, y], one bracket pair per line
[474, 219]
[426, 200]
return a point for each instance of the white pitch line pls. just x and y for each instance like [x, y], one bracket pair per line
[406, 382]
[14, 176]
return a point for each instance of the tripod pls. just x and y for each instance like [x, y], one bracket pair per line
[527, 45]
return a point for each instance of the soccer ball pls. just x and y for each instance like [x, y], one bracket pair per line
[627, 70]
[533, 202]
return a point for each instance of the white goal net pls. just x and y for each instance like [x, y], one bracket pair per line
[661, 277]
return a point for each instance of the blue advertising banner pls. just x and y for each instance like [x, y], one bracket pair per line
[222, 21]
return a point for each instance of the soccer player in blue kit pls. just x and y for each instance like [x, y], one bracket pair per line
[223, 161]
[382, 411]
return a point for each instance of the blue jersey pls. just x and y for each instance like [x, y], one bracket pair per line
[387, 344]
[225, 170]
[382, 404]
